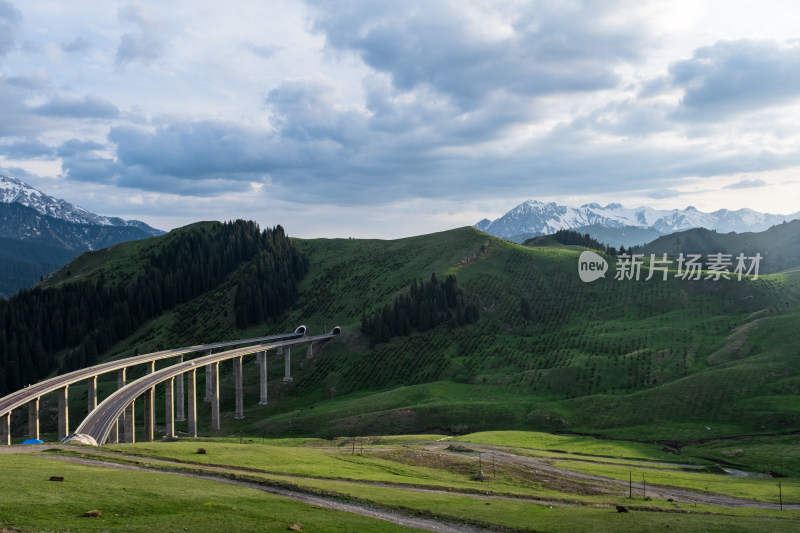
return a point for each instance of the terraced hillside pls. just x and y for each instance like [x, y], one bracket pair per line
[648, 359]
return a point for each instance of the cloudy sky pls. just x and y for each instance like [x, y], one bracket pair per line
[390, 119]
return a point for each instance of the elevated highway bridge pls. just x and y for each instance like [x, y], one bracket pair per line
[105, 428]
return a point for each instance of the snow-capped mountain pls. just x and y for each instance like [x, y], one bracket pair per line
[532, 218]
[39, 234]
[14, 191]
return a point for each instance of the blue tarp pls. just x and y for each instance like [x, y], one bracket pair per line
[32, 441]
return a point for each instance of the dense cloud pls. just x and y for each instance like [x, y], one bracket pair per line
[27, 149]
[10, 18]
[737, 77]
[75, 147]
[264, 52]
[145, 44]
[78, 44]
[374, 103]
[468, 53]
[199, 149]
[747, 184]
[307, 110]
[105, 171]
[210, 157]
[16, 119]
[90, 106]
[32, 81]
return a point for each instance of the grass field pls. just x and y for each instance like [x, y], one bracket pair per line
[776, 454]
[410, 475]
[571, 444]
[149, 501]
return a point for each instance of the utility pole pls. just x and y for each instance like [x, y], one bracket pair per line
[630, 484]
[644, 487]
[780, 495]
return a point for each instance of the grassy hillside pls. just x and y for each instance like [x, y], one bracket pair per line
[672, 360]
[121, 261]
[779, 246]
[657, 359]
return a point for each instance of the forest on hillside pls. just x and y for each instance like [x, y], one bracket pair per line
[425, 306]
[84, 318]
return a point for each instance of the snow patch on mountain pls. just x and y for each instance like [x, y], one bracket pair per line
[13, 190]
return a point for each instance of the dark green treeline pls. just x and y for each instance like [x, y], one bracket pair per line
[83, 319]
[425, 306]
[565, 236]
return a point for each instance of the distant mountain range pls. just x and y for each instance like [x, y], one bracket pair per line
[39, 234]
[617, 225]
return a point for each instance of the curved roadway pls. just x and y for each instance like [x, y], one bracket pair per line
[23, 396]
[100, 421]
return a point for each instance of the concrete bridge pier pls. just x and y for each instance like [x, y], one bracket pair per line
[215, 397]
[63, 413]
[207, 397]
[179, 414]
[149, 412]
[5, 428]
[113, 437]
[309, 350]
[239, 385]
[169, 404]
[192, 400]
[149, 407]
[33, 418]
[130, 435]
[92, 394]
[261, 360]
[287, 364]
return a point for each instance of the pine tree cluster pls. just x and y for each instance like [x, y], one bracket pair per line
[268, 286]
[425, 306]
[566, 236]
[83, 319]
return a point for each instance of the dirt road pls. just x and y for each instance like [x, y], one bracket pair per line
[424, 524]
[680, 496]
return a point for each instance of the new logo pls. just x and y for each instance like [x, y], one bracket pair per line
[591, 266]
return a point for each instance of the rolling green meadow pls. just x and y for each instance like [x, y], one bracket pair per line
[669, 381]
[169, 486]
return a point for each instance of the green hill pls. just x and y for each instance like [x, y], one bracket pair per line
[657, 359]
[650, 360]
[80, 313]
[779, 245]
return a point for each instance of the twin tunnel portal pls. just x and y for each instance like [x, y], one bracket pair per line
[113, 419]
